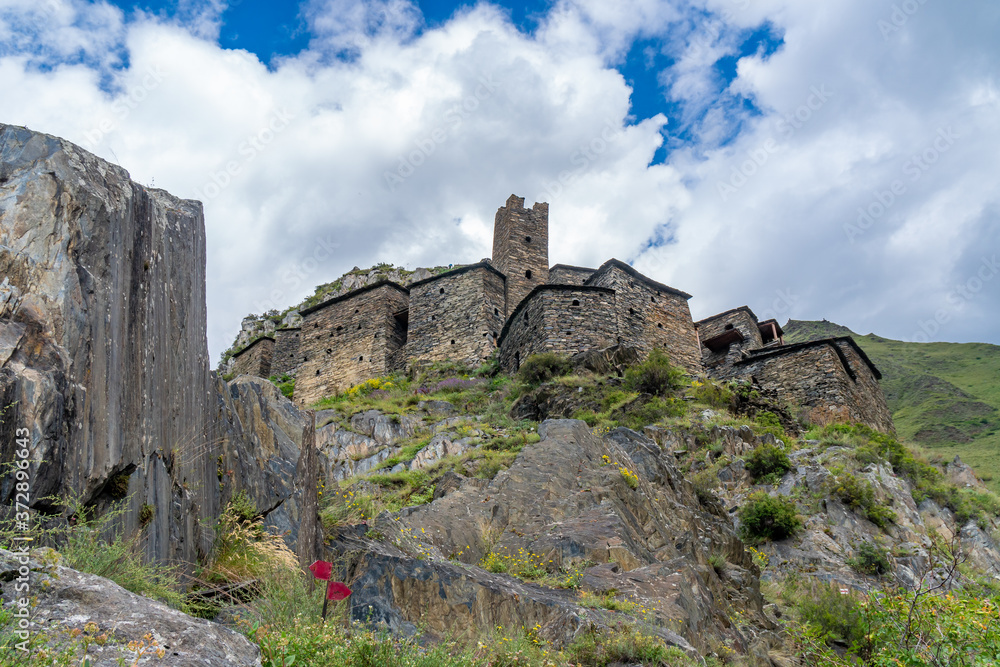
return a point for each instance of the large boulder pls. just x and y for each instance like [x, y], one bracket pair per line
[564, 504]
[84, 614]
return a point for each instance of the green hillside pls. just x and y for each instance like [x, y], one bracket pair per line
[944, 397]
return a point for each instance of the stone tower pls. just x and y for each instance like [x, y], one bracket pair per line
[521, 248]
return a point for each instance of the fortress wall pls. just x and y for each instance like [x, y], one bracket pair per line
[286, 357]
[456, 316]
[548, 321]
[349, 340]
[651, 315]
[560, 274]
[814, 377]
[255, 359]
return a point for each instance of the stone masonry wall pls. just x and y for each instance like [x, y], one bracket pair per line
[255, 359]
[456, 316]
[561, 274]
[521, 248]
[741, 319]
[560, 319]
[348, 340]
[868, 400]
[814, 377]
[286, 357]
[651, 315]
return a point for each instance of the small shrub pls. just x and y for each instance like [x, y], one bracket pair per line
[767, 461]
[285, 384]
[711, 393]
[718, 563]
[622, 645]
[539, 368]
[705, 483]
[656, 376]
[838, 617]
[243, 506]
[870, 558]
[146, 514]
[118, 485]
[859, 495]
[651, 412]
[768, 518]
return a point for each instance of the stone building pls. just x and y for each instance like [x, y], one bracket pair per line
[286, 351]
[255, 358]
[514, 305]
[521, 248]
[456, 315]
[350, 339]
[830, 380]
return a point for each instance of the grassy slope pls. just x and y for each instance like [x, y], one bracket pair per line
[944, 397]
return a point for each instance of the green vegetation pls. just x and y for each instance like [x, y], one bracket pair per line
[655, 376]
[870, 558]
[539, 368]
[285, 384]
[859, 495]
[943, 396]
[764, 517]
[767, 463]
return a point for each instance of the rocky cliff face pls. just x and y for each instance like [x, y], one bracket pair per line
[103, 350]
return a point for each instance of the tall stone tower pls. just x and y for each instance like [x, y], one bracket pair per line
[521, 248]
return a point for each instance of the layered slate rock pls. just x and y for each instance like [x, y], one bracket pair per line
[72, 605]
[104, 355]
[565, 503]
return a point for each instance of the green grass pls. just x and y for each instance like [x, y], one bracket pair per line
[944, 397]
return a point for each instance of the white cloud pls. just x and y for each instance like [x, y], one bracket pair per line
[403, 151]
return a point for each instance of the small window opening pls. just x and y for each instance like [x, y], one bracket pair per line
[576, 302]
[631, 311]
[441, 291]
[527, 274]
[653, 299]
[357, 310]
[527, 239]
[359, 327]
[452, 342]
[361, 358]
[433, 317]
[496, 311]
[729, 327]
[329, 350]
[317, 372]
[340, 328]
[659, 325]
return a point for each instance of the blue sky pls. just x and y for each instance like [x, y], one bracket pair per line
[810, 160]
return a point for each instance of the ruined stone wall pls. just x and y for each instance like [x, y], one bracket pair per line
[255, 359]
[348, 340]
[561, 274]
[826, 379]
[286, 358]
[560, 319]
[521, 248]
[651, 315]
[456, 316]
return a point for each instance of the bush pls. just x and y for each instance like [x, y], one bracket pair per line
[859, 495]
[766, 518]
[622, 646]
[539, 368]
[870, 558]
[714, 394]
[655, 376]
[838, 617]
[768, 461]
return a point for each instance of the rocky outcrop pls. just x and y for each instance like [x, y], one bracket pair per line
[84, 615]
[104, 353]
[566, 504]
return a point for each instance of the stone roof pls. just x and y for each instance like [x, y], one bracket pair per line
[763, 353]
[354, 293]
[571, 267]
[617, 263]
[746, 309]
[458, 271]
[247, 348]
